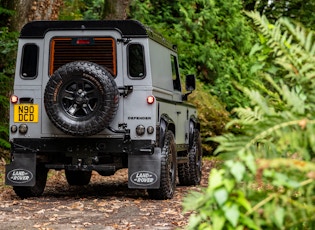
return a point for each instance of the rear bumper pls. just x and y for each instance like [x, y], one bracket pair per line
[70, 146]
[103, 155]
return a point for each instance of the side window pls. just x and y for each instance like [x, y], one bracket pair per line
[29, 62]
[175, 74]
[136, 64]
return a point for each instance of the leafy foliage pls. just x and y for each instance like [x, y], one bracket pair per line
[213, 37]
[269, 183]
[214, 46]
[212, 116]
[82, 10]
[5, 12]
[72, 10]
[299, 10]
[8, 45]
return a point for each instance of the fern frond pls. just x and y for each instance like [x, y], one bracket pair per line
[267, 133]
[294, 98]
[4, 143]
[304, 38]
[247, 117]
[259, 100]
[293, 47]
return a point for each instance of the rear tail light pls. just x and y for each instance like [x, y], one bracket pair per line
[14, 99]
[150, 99]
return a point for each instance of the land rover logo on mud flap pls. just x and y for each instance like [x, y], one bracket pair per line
[143, 178]
[20, 176]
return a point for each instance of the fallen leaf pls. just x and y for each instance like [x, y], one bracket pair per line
[42, 211]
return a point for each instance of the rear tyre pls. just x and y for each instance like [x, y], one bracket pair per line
[190, 173]
[183, 174]
[38, 188]
[168, 170]
[195, 159]
[78, 177]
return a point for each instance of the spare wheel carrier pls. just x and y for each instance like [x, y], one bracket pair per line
[81, 98]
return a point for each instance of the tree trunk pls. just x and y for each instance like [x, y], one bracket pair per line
[116, 9]
[29, 10]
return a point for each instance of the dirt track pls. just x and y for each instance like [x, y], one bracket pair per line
[106, 203]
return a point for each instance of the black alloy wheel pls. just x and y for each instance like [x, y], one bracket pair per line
[168, 170]
[81, 98]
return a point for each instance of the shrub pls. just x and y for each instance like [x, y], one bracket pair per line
[212, 116]
[269, 184]
[8, 46]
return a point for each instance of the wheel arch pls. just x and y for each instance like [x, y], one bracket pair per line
[195, 121]
[193, 125]
[166, 123]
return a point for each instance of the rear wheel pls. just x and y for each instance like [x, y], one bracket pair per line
[168, 170]
[78, 177]
[38, 188]
[190, 173]
[183, 174]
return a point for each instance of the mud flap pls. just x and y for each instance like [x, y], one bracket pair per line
[21, 171]
[144, 170]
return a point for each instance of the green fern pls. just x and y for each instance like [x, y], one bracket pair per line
[273, 139]
[284, 99]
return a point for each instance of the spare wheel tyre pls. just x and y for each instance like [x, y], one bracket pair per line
[81, 98]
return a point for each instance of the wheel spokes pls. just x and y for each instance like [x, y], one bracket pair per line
[80, 98]
[68, 95]
[73, 109]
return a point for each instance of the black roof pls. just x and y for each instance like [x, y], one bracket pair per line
[127, 28]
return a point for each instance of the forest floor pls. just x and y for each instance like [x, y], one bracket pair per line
[106, 203]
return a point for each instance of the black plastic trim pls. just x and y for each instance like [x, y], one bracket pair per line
[79, 145]
[159, 99]
[127, 28]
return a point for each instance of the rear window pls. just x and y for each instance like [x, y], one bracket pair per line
[29, 62]
[136, 64]
[175, 74]
[100, 50]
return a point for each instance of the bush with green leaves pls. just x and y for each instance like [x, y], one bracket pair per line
[213, 38]
[8, 46]
[269, 181]
[214, 42]
[211, 114]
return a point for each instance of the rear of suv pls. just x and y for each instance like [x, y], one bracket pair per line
[101, 96]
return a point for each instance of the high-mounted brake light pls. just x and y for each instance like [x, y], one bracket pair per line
[14, 99]
[83, 42]
[150, 99]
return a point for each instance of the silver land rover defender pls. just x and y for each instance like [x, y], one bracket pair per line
[101, 95]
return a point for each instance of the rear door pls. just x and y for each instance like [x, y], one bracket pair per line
[138, 110]
[100, 47]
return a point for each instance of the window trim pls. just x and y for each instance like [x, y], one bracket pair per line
[22, 62]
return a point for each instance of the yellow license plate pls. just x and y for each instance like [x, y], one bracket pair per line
[26, 113]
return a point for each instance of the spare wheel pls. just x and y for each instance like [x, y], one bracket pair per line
[81, 98]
